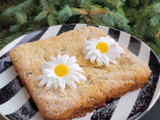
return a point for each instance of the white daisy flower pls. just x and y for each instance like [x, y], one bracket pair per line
[59, 72]
[103, 50]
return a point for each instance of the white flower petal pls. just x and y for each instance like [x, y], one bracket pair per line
[98, 52]
[59, 58]
[93, 57]
[99, 61]
[113, 61]
[102, 39]
[78, 75]
[86, 43]
[71, 84]
[47, 71]
[106, 63]
[73, 78]
[50, 64]
[40, 77]
[109, 39]
[42, 82]
[120, 50]
[89, 54]
[54, 60]
[75, 67]
[61, 83]
[90, 47]
[47, 65]
[106, 60]
[65, 58]
[90, 42]
[95, 40]
[113, 55]
[56, 84]
[71, 60]
[50, 82]
[51, 74]
[112, 47]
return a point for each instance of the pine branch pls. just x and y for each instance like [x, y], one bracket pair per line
[156, 16]
[48, 12]
[6, 21]
[107, 20]
[156, 7]
[132, 3]
[86, 5]
[115, 4]
[21, 7]
[26, 8]
[41, 15]
[64, 14]
[94, 22]
[145, 2]
[118, 19]
[76, 11]
[144, 21]
[158, 34]
[54, 2]
[21, 17]
[155, 20]
[111, 4]
[44, 5]
[70, 3]
[14, 28]
[51, 20]
[97, 11]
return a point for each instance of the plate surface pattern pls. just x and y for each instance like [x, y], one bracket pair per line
[16, 104]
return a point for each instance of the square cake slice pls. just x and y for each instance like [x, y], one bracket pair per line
[103, 83]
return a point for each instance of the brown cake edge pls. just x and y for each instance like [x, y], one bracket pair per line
[82, 111]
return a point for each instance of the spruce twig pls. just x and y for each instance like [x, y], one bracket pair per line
[158, 34]
[107, 20]
[113, 4]
[96, 12]
[78, 11]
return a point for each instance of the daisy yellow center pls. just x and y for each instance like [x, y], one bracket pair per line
[61, 70]
[102, 46]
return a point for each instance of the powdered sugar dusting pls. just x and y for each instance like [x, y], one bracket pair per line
[55, 104]
[105, 113]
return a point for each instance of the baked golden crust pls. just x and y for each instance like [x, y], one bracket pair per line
[103, 83]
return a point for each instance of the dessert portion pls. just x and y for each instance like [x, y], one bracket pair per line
[100, 81]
